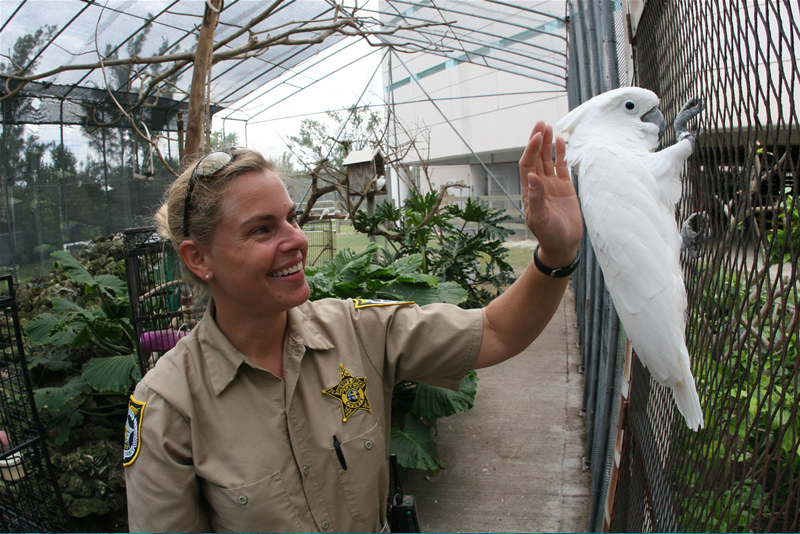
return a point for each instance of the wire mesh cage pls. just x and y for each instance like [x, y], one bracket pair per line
[321, 247]
[30, 500]
[163, 308]
[741, 473]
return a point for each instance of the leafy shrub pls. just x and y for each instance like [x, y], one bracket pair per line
[457, 244]
[99, 384]
[751, 351]
[79, 348]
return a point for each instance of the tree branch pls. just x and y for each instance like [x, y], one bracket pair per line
[345, 26]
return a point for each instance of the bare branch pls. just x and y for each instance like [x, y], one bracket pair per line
[344, 26]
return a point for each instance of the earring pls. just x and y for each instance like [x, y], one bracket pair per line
[208, 276]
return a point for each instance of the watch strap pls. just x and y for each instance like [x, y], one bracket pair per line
[560, 272]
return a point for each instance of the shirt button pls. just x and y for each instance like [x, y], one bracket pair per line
[241, 499]
[325, 525]
[368, 445]
[305, 470]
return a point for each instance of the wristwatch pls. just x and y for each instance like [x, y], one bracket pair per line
[561, 272]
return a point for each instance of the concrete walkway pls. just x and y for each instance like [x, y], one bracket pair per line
[513, 462]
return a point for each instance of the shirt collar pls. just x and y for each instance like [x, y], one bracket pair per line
[223, 359]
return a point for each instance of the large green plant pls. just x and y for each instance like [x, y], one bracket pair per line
[785, 238]
[415, 406]
[753, 429]
[457, 244]
[88, 350]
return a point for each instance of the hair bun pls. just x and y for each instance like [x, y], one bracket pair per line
[162, 223]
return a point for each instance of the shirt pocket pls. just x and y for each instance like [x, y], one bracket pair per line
[258, 507]
[367, 475]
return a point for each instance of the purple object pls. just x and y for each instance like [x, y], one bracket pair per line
[160, 340]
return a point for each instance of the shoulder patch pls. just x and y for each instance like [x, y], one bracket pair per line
[133, 427]
[367, 303]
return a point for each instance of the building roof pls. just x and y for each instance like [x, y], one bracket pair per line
[361, 156]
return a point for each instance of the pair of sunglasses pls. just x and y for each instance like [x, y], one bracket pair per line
[206, 169]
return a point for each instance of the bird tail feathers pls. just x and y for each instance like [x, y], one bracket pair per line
[688, 403]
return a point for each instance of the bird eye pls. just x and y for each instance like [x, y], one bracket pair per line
[630, 106]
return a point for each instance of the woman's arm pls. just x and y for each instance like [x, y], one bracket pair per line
[514, 319]
[163, 490]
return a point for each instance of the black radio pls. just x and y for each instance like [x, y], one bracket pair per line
[402, 508]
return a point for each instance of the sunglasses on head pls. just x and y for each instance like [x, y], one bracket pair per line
[207, 168]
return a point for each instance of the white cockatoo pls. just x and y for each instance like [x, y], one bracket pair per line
[628, 194]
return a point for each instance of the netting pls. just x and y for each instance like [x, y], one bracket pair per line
[740, 199]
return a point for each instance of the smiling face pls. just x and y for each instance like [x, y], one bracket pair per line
[257, 255]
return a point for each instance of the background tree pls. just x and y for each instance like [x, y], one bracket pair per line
[220, 140]
[144, 84]
[456, 243]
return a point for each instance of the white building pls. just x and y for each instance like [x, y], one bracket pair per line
[472, 104]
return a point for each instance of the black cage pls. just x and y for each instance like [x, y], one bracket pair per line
[29, 497]
[162, 307]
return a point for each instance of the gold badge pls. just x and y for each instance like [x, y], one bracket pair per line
[351, 391]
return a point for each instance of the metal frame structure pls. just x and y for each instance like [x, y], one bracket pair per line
[738, 474]
[89, 65]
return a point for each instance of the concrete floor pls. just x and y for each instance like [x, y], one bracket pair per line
[513, 462]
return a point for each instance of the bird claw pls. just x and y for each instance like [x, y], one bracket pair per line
[689, 111]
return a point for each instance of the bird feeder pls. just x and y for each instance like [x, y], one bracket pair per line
[11, 468]
[365, 172]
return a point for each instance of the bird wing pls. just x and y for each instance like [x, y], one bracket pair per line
[636, 242]
[666, 165]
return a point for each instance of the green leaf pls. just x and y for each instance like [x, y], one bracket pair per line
[414, 445]
[407, 265]
[111, 374]
[53, 361]
[63, 305]
[419, 294]
[113, 284]
[64, 422]
[81, 339]
[434, 402]
[73, 268]
[54, 399]
[452, 293]
[108, 330]
[40, 328]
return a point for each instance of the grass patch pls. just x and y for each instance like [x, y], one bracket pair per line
[519, 256]
[347, 238]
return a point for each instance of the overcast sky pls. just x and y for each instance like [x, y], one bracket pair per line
[277, 114]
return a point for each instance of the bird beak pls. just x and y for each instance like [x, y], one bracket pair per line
[654, 116]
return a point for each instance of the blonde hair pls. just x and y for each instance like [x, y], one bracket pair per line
[205, 214]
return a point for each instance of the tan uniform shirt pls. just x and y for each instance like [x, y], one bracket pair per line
[226, 446]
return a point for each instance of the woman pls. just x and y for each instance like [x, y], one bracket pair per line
[273, 413]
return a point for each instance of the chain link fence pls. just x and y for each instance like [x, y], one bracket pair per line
[740, 196]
